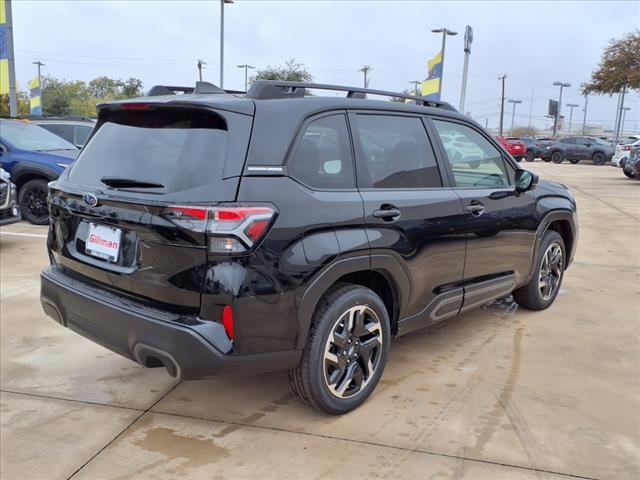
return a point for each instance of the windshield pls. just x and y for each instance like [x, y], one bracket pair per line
[162, 151]
[27, 136]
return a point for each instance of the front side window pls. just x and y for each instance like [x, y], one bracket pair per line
[322, 158]
[397, 153]
[474, 161]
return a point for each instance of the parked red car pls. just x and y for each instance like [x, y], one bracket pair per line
[514, 146]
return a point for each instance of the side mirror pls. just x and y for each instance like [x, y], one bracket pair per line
[525, 180]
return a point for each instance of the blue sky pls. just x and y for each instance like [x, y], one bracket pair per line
[534, 43]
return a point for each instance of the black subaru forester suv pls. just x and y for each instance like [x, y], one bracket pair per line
[219, 233]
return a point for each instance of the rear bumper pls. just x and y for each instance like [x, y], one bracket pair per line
[149, 337]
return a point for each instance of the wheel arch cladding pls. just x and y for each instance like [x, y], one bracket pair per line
[563, 227]
[356, 270]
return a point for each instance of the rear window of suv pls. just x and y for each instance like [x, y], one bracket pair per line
[174, 149]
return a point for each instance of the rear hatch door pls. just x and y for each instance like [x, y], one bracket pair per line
[111, 211]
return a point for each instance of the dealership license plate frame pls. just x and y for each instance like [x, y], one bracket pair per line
[104, 252]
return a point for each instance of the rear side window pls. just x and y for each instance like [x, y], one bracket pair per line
[81, 133]
[397, 153]
[569, 141]
[322, 157]
[62, 130]
[175, 149]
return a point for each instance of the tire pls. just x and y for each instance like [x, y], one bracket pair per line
[598, 158]
[548, 159]
[574, 161]
[529, 156]
[322, 360]
[32, 200]
[557, 157]
[627, 174]
[533, 296]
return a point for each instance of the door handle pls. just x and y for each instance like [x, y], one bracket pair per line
[388, 213]
[475, 208]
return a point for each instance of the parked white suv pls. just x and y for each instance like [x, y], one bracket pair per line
[622, 153]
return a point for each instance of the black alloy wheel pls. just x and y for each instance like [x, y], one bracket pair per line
[557, 157]
[598, 158]
[32, 200]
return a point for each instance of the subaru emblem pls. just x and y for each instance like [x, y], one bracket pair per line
[90, 199]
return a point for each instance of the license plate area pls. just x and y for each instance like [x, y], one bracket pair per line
[103, 242]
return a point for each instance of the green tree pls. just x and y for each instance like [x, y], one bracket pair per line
[61, 97]
[291, 71]
[619, 67]
[23, 104]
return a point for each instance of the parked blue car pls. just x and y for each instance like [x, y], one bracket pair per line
[33, 156]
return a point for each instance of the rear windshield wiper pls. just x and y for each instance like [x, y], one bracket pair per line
[129, 183]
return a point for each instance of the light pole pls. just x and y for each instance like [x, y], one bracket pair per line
[624, 114]
[555, 123]
[415, 84]
[444, 32]
[513, 113]
[222, 2]
[503, 77]
[584, 118]
[246, 75]
[571, 106]
[468, 40]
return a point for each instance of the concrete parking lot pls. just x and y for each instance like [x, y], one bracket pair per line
[498, 393]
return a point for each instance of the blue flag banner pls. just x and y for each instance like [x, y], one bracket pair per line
[432, 85]
[35, 97]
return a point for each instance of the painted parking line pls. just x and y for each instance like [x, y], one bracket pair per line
[19, 234]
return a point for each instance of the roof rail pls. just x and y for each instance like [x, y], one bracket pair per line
[271, 89]
[200, 88]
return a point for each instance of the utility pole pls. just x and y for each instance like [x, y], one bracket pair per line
[584, 118]
[8, 45]
[486, 123]
[415, 84]
[503, 77]
[513, 113]
[531, 108]
[246, 75]
[555, 123]
[624, 114]
[571, 106]
[468, 39]
[201, 65]
[39, 64]
[365, 70]
[222, 2]
[445, 32]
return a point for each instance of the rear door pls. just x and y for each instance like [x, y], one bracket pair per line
[122, 215]
[583, 148]
[409, 208]
[500, 224]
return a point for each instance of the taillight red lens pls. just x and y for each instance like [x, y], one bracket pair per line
[227, 321]
[199, 213]
[256, 229]
[231, 229]
[135, 106]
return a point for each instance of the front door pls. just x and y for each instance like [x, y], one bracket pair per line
[410, 210]
[500, 223]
